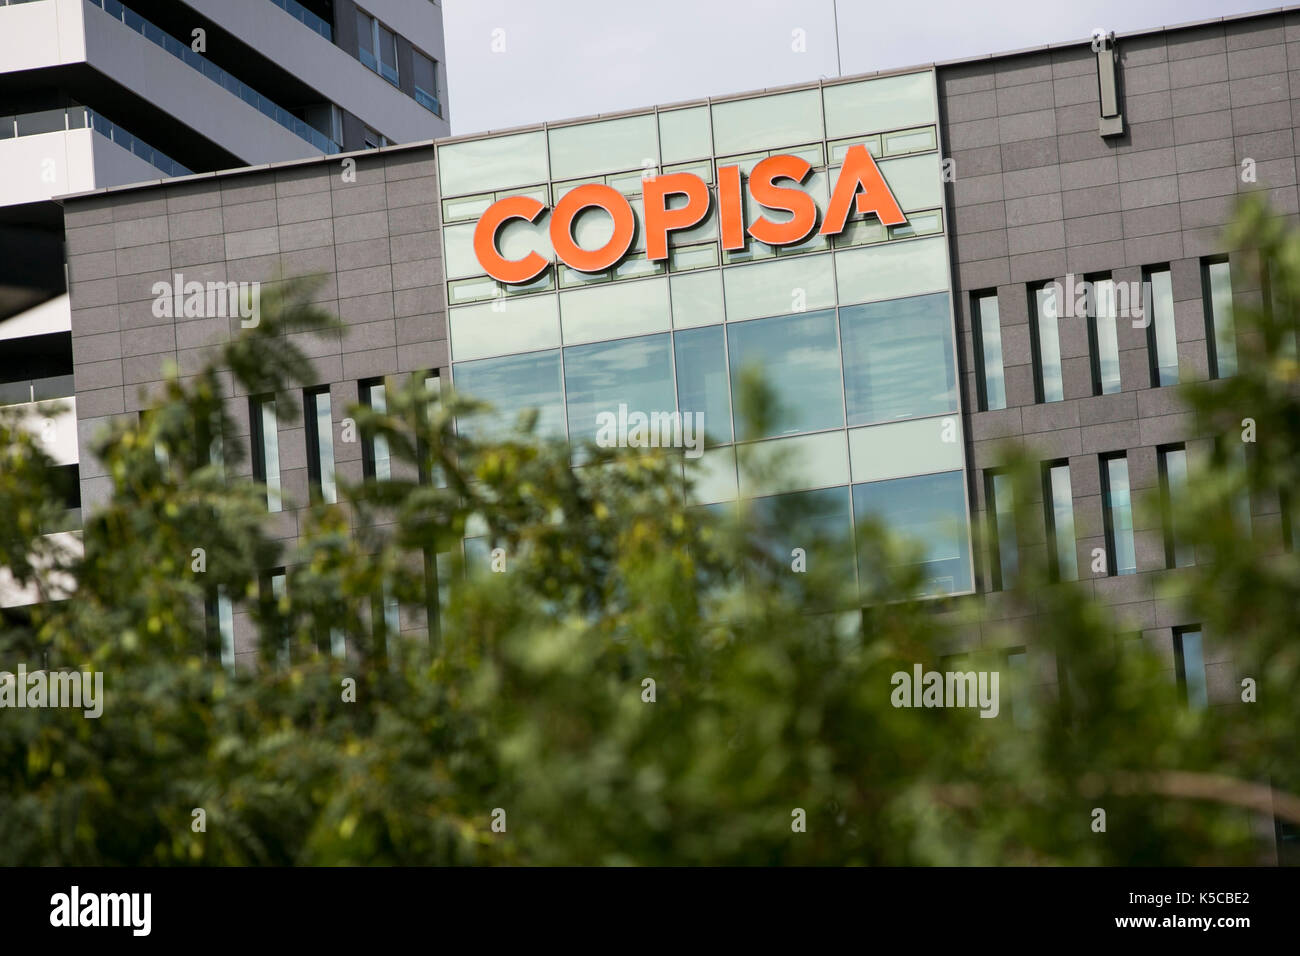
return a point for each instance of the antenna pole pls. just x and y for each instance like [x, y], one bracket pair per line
[835, 13]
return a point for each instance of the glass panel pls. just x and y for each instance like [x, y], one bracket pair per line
[630, 184]
[634, 373]
[703, 170]
[778, 288]
[929, 510]
[1106, 336]
[684, 134]
[910, 141]
[1062, 523]
[269, 435]
[1161, 337]
[458, 250]
[918, 224]
[497, 162]
[387, 54]
[1191, 665]
[513, 384]
[799, 359]
[376, 397]
[890, 102]
[697, 299]
[990, 338]
[46, 121]
[1049, 344]
[1004, 523]
[1120, 512]
[702, 386]
[898, 359]
[626, 143]
[325, 445]
[753, 252]
[916, 182]
[1219, 279]
[840, 149]
[763, 122]
[614, 311]
[858, 232]
[454, 210]
[508, 325]
[892, 271]
[635, 267]
[366, 40]
[693, 257]
[793, 464]
[471, 290]
[898, 449]
[1173, 467]
[226, 628]
[715, 477]
[424, 73]
[572, 277]
[814, 154]
[818, 522]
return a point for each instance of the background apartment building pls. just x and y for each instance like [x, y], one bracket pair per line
[101, 93]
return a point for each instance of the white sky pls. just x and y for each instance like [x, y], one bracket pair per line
[568, 58]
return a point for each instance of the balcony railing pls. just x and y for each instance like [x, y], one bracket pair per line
[216, 74]
[36, 390]
[81, 117]
[428, 101]
[305, 16]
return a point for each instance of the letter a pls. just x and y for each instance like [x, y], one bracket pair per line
[860, 170]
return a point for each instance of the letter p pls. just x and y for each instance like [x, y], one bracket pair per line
[660, 220]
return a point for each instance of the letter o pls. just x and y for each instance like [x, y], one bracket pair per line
[575, 201]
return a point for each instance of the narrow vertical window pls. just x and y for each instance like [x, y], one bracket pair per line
[221, 627]
[1103, 337]
[425, 74]
[1172, 461]
[1162, 340]
[1047, 343]
[318, 418]
[1002, 525]
[1059, 501]
[266, 448]
[386, 52]
[272, 589]
[988, 350]
[1189, 659]
[433, 386]
[1118, 512]
[1220, 333]
[374, 452]
[366, 40]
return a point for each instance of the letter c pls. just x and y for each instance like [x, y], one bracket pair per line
[511, 271]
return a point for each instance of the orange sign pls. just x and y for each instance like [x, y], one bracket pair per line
[774, 184]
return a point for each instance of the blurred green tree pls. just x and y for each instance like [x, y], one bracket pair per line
[647, 682]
